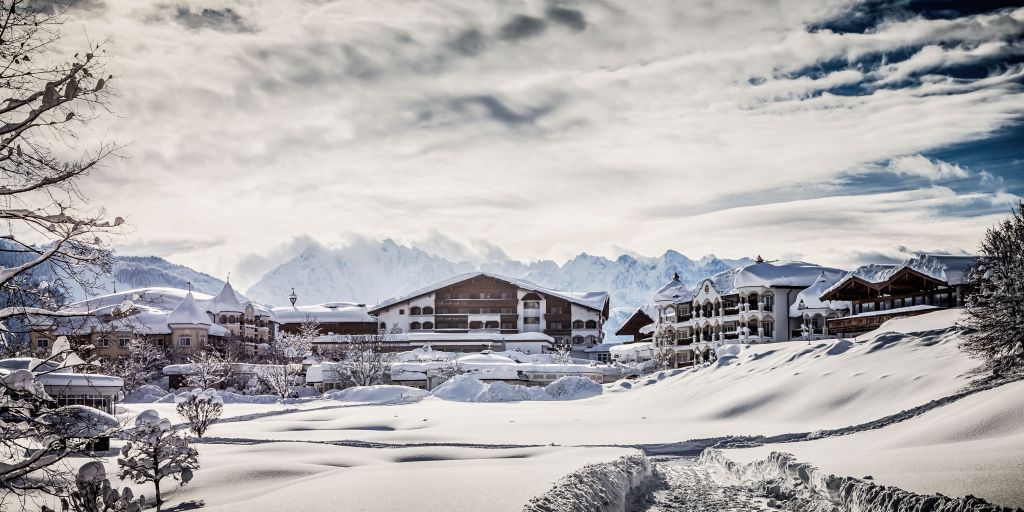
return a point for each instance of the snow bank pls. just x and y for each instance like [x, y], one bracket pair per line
[467, 388]
[145, 395]
[377, 394]
[848, 493]
[600, 487]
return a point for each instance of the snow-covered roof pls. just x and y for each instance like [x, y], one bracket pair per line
[188, 313]
[631, 348]
[671, 291]
[591, 300]
[62, 380]
[809, 299]
[485, 358]
[943, 267]
[225, 301]
[794, 274]
[330, 312]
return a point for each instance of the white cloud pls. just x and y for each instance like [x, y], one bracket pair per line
[342, 119]
[924, 167]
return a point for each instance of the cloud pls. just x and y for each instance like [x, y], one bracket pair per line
[571, 18]
[62, 6]
[934, 170]
[225, 19]
[503, 122]
[522, 27]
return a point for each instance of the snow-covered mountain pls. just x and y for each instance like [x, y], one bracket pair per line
[372, 271]
[142, 271]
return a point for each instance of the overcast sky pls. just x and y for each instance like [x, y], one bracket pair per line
[837, 132]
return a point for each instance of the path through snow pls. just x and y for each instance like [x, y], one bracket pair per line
[683, 484]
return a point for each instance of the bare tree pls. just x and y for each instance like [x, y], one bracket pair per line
[562, 354]
[44, 102]
[143, 364]
[279, 379]
[209, 369]
[291, 346]
[366, 359]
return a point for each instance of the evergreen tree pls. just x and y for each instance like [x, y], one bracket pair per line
[994, 312]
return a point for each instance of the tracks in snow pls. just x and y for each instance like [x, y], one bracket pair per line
[683, 484]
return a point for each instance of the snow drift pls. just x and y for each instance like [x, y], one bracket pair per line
[600, 487]
[851, 494]
[468, 388]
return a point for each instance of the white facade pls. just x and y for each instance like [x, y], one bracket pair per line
[753, 304]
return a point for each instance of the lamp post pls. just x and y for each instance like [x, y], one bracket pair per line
[293, 297]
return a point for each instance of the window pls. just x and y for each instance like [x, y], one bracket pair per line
[531, 320]
[591, 324]
[415, 326]
[508, 325]
[401, 311]
[491, 325]
[476, 324]
[123, 342]
[556, 325]
[578, 324]
[159, 341]
[383, 326]
[591, 339]
[102, 342]
[428, 310]
[202, 340]
[531, 304]
[231, 319]
[415, 311]
[428, 325]
[42, 342]
[223, 319]
[556, 310]
[577, 340]
[604, 357]
[769, 300]
[184, 341]
[104, 359]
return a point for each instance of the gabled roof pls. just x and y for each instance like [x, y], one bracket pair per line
[644, 315]
[591, 300]
[784, 274]
[188, 313]
[810, 298]
[942, 268]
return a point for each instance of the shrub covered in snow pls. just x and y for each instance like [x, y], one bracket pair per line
[154, 452]
[572, 387]
[200, 408]
[93, 492]
[468, 388]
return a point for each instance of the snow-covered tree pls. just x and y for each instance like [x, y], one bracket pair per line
[143, 364]
[279, 379]
[154, 451]
[290, 346]
[450, 368]
[201, 408]
[994, 312]
[366, 359]
[208, 370]
[93, 492]
[562, 354]
[37, 436]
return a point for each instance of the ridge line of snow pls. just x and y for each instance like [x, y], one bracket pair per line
[849, 493]
[598, 487]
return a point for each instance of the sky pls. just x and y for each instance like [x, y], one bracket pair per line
[838, 132]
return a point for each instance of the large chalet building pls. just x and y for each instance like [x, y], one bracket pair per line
[482, 310]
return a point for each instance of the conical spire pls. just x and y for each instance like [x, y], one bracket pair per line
[188, 313]
[226, 301]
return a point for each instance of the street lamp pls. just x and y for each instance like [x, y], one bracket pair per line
[293, 297]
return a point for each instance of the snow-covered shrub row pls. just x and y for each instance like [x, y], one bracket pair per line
[467, 388]
[377, 394]
[602, 487]
[848, 493]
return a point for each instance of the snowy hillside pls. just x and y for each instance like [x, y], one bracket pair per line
[151, 271]
[370, 272]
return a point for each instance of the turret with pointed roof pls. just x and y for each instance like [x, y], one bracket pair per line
[188, 313]
[226, 301]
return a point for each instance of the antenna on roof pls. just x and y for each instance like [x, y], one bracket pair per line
[189, 284]
[229, 277]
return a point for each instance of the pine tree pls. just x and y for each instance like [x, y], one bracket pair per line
[994, 312]
[154, 452]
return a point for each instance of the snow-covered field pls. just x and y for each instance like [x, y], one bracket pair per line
[390, 447]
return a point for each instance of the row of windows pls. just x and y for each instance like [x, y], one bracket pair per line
[579, 340]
